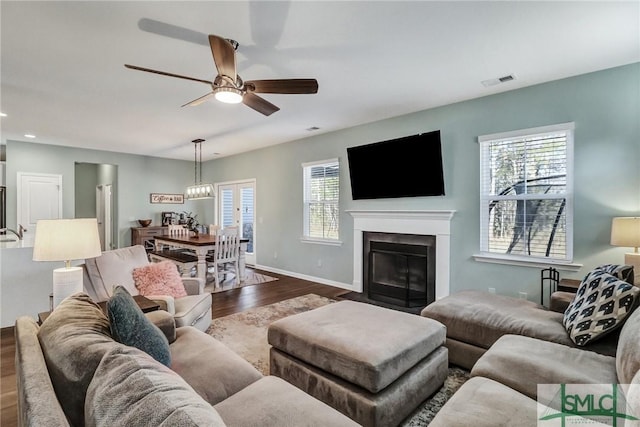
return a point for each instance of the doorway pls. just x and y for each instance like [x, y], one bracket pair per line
[96, 197]
[236, 206]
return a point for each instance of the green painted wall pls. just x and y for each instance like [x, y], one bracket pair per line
[138, 176]
[605, 107]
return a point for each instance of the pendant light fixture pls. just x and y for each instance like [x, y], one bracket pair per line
[198, 190]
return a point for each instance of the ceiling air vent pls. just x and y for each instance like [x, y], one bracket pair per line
[497, 81]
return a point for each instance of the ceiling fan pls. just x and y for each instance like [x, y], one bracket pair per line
[230, 88]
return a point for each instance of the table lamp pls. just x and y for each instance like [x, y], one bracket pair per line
[625, 231]
[66, 240]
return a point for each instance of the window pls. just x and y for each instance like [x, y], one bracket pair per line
[526, 194]
[321, 196]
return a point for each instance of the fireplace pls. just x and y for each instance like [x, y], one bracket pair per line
[399, 268]
[435, 223]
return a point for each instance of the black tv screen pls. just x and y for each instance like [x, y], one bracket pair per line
[404, 167]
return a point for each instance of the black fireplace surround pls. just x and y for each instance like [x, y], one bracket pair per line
[399, 269]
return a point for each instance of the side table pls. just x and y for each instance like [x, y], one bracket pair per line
[145, 304]
[569, 285]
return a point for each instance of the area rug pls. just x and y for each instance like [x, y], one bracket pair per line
[251, 278]
[246, 334]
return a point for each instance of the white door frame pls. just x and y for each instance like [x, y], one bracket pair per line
[250, 257]
[103, 213]
[54, 178]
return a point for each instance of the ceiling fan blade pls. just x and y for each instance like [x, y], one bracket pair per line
[261, 105]
[224, 56]
[162, 73]
[198, 101]
[283, 86]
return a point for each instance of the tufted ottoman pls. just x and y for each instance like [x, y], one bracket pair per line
[373, 364]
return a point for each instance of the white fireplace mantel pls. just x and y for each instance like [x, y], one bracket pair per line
[427, 222]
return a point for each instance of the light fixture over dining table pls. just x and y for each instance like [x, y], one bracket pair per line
[198, 190]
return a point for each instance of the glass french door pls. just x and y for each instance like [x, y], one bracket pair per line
[236, 206]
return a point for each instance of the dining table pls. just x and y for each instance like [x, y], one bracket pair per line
[201, 245]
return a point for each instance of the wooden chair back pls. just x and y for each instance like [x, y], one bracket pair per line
[227, 242]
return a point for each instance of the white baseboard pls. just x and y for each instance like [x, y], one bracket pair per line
[306, 277]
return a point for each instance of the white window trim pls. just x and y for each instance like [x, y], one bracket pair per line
[313, 240]
[327, 242]
[525, 261]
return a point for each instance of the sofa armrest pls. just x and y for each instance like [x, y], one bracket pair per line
[193, 285]
[165, 322]
[560, 300]
[166, 302]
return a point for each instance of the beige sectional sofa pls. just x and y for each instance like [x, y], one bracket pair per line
[71, 372]
[503, 389]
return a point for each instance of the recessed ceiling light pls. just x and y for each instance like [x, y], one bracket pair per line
[313, 128]
[28, 135]
[3, 114]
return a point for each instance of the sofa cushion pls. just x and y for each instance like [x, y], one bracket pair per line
[629, 349]
[601, 305]
[482, 402]
[213, 370]
[131, 389]
[273, 402]
[73, 339]
[523, 362]
[480, 318]
[131, 327]
[159, 278]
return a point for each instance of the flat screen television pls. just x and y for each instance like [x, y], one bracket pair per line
[404, 167]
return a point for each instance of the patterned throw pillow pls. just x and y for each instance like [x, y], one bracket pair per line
[159, 278]
[622, 272]
[601, 305]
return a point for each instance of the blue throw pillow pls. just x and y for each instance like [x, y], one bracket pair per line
[131, 327]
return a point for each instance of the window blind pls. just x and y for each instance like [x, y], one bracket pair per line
[321, 199]
[526, 193]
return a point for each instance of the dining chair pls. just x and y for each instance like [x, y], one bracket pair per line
[184, 259]
[178, 230]
[226, 253]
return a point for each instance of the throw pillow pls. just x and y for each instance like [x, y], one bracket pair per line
[131, 327]
[74, 338]
[131, 389]
[622, 272]
[601, 305]
[159, 278]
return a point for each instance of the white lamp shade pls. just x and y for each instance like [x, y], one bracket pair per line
[66, 239]
[625, 231]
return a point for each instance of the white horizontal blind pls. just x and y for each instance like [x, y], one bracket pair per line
[321, 199]
[526, 199]
[226, 214]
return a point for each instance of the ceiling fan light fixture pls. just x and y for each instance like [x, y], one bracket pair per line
[228, 94]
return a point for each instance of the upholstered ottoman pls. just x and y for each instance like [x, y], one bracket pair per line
[373, 364]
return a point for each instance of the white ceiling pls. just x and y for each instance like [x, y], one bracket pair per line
[63, 75]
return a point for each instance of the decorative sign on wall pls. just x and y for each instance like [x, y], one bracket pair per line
[167, 198]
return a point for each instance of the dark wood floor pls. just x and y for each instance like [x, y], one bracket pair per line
[224, 303]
